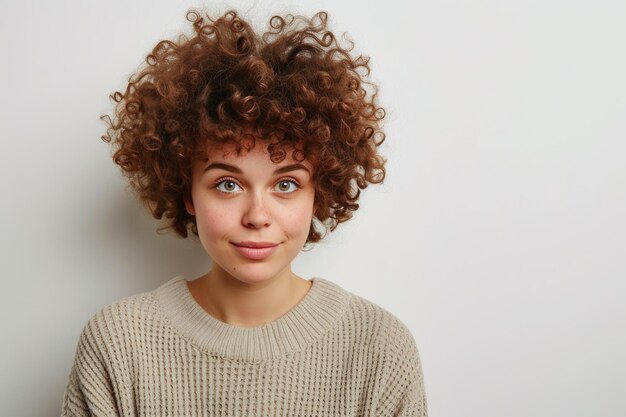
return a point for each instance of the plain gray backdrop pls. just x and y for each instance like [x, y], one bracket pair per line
[498, 237]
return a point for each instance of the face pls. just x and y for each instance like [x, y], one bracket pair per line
[253, 216]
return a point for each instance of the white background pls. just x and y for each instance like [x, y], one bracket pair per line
[499, 236]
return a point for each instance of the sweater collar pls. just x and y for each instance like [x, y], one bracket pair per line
[308, 320]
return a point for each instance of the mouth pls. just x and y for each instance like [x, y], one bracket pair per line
[255, 250]
[255, 245]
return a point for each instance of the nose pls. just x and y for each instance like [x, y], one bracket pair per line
[256, 214]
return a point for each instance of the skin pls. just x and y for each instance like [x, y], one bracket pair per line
[242, 198]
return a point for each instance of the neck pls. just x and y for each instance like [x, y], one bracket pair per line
[246, 304]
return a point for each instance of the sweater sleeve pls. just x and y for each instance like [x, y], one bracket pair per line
[89, 391]
[402, 393]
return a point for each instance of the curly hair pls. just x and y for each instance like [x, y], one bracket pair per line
[295, 86]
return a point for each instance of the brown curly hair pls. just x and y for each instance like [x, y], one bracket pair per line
[295, 86]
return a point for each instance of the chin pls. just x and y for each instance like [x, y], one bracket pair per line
[255, 273]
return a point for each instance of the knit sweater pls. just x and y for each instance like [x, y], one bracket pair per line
[160, 353]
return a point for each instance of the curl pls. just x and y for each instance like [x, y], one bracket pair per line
[295, 87]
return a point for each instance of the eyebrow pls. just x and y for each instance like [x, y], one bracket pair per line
[236, 170]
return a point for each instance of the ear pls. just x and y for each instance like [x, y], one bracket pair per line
[189, 206]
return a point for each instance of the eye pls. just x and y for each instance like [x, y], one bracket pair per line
[286, 186]
[227, 186]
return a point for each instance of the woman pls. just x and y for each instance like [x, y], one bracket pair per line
[258, 144]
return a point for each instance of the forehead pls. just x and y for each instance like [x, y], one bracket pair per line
[253, 152]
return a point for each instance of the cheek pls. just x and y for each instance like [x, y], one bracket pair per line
[214, 222]
[298, 219]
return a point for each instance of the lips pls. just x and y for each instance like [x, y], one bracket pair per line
[255, 244]
[255, 250]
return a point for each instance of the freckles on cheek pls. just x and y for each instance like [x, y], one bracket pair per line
[216, 222]
[295, 219]
[299, 218]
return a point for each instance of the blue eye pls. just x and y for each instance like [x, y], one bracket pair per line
[286, 186]
[227, 186]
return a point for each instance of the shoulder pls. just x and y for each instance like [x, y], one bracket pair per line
[120, 321]
[400, 379]
[388, 330]
[123, 310]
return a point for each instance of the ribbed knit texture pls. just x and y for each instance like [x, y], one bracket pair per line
[160, 353]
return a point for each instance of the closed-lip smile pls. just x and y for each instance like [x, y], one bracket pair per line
[255, 251]
[249, 244]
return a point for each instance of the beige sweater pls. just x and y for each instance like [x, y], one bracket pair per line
[160, 354]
